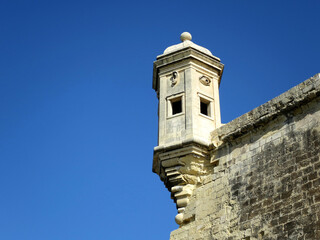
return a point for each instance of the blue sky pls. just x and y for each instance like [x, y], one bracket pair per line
[78, 118]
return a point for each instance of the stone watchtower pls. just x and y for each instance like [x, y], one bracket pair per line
[256, 177]
[186, 78]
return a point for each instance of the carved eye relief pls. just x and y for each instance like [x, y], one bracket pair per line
[174, 78]
[205, 80]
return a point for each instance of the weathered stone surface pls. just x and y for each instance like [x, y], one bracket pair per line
[281, 105]
[267, 181]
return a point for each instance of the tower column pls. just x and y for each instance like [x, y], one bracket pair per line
[186, 78]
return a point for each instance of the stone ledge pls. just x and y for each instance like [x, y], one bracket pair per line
[179, 147]
[293, 98]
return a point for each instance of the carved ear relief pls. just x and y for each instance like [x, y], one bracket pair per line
[205, 80]
[174, 78]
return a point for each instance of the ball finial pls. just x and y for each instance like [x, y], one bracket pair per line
[185, 36]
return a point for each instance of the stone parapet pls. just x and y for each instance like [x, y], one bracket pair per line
[281, 105]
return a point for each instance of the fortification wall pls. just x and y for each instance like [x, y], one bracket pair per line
[266, 178]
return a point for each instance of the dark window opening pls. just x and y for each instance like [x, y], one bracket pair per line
[176, 107]
[204, 108]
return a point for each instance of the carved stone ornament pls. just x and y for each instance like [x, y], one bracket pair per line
[205, 80]
[181, 171]
[174, 78]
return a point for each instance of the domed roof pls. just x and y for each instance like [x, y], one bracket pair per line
[186, 42]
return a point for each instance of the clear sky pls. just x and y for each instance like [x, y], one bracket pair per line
[78, 118]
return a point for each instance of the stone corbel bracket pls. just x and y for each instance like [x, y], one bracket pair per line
[181, 170]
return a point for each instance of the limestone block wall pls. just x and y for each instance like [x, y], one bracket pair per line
[266, 178]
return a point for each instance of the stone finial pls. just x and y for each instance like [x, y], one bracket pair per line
[185, 36]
